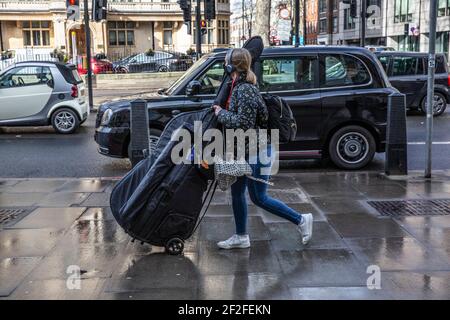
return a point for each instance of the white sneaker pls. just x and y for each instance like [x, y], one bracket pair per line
[236, 241]
[306, 227]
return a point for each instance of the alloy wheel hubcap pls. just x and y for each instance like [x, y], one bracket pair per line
[438, 104]
[352, 147]
[64, 121]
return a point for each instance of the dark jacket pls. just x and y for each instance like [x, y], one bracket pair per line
[247, 109]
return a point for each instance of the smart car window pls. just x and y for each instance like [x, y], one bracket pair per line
[26, 76]
[281, 74]
[211, 79]
[344, 70]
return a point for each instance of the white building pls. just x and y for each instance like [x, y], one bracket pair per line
[132, 26]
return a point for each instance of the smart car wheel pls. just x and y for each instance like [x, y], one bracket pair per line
[352, 148]
[439, 104]
[65, 121]
[163, 69]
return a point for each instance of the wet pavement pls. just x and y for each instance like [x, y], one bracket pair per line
[65, 224]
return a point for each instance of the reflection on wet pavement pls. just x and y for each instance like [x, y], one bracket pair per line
[73, 226]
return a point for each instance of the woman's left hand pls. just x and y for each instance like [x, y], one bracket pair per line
[217, 109]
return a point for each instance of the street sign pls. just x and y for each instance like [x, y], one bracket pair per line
[73, 13]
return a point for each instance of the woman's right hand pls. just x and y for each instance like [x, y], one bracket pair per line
[217, 109]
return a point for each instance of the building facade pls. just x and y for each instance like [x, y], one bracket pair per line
[132, 26]
[312, 21]
[401, 24]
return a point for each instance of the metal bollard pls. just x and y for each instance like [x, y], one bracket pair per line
[396, 138]
[139, 131]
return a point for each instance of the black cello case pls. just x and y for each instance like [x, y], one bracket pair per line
[159, 202]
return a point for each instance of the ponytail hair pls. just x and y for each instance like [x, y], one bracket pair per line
[241, 59]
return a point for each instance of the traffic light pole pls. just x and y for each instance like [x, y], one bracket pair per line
[88, 53]
[363, 22]
[297, 23]
[430, 85]
[198, 35]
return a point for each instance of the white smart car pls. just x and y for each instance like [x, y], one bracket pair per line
[42, 93]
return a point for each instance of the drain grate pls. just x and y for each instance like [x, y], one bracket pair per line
[412, 207]
[9, 216]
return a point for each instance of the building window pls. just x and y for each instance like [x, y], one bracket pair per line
[407, 43]
[223, 28]
[36, 33]
[167, 33]
[443, 42]
[403, 11]
[323, 26]
[121, 33]
[443, 8]
[349, 21]
[335, 24]
[322, 6]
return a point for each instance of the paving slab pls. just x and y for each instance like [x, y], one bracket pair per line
[49, 218]
[301, 208]
[97, 213]
[424, 221]
[337, 189]
[13, 271]
[221, 228]
[259, 286]
[19, 199]
[85, 185]
[386, 191]
[27, 242]
[37, 185]
[160, 294]
[341, 293]
[96, 200]
[397, 254]
[285, 236]
[331, 205]
[94, 261]
[363, 225]
[153, 272]
[260, 258]
[227, 210]
[58, 289]
[419, 285]
[62, 199]
[321, 268]
[96, 232]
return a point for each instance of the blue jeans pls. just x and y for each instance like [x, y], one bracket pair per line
[258, 195]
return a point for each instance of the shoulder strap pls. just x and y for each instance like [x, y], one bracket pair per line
[210, 195]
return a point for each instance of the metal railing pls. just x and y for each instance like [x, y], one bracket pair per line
[157, 61]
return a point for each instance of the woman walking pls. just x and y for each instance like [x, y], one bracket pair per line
[247, 110]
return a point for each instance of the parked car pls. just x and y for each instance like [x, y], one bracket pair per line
[158, 61]
[408, 72]
[379, 48]
[338, 95]
[41, 94]
[99, 65]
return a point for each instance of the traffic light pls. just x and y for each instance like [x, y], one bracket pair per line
[73, 9]
[185, 6]
[99, 10]
[203, 27]
[210, 9]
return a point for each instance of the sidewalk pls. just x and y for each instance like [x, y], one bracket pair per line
[48, 225]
